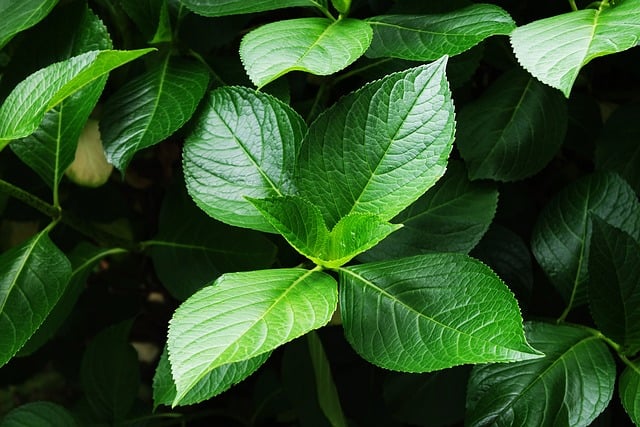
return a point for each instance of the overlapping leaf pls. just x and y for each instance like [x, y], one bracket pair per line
[18, 16]
[151, 107]
[244, 315]
[450, 217]
[34, 276]
[315, 45]
[570, 386]
[380, 148]
[430, 312]
[561, 237]
[428, 37]
[237, 7]
[555, 49]
[629, 390]
[42, 414]
[215, 382]
[513, 130]
[614, 284]
[25, 107]
[244, 145]
[301, 223]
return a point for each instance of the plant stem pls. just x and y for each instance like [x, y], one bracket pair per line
[573, 5]
[629, 363]
[324, 10]
[215, 75]
[29, 199]
[314, 107]
[355, 71]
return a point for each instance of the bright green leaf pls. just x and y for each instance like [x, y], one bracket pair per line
[244, 315]
[380, 148]
[191, 249]
[614, 284]
[629, 390]
[571, 386]
[342, 6]
[25, 107]
[301, 223]
[316, 45]
[34, 276]
[109, 373]
[451, 217]
[238, 7]
[18, 16]
[430, 312]
[244, 145]
[555, 49]
[562, 234]
[41, 414]
[151, 107]
[617, 147]
[215, 382]
[513, 130]
[428, 37]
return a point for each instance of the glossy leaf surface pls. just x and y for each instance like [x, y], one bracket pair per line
[629, 390]
[244, 145]
[236, 7]
[380, 148]
[314, 45]
[244, 315]
[555, 49]
[561, 237]
[151, 107]
[513, 130]
[34, 276]
[430, 312]
[41, 414]
[428, 37]
[18, 16]
[570, 386]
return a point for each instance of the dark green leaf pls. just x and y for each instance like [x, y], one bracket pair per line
[109, 373]
[450, 217]
[237, 7]
[430, 312]
[244, 315]
[244, 145]
[191, 249]
[614, 284]
[41, 414]
[145, 14]
[380, 148]
[561, 237]
[215, 382]
[18, 16]
[617, 147]
[315, 45]
[629, 389]
[151, 107]
[34, 276]
[571, 386]
[555, 49]
[428, 37]
[513, 130]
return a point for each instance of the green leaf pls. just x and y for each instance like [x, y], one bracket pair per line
[614, 284]
[34, 276]
[191, 249]
[52, 147]
[380, 148]
[562, 234]
[556, 48]
[41, 414]
[428, 37]
[513, 130]
[18, 16]
[151, 107]
[451, 217]
[301, 223]
[629, 389]
[430, 312]
[214, 383]
[571, 386]
[241, 7]
[26, 105]
[109, 373]
[325, 387]
[145, 14]
[342, 6]
[244, 315]
[315, 45]
[244, 145]
[617, 147]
